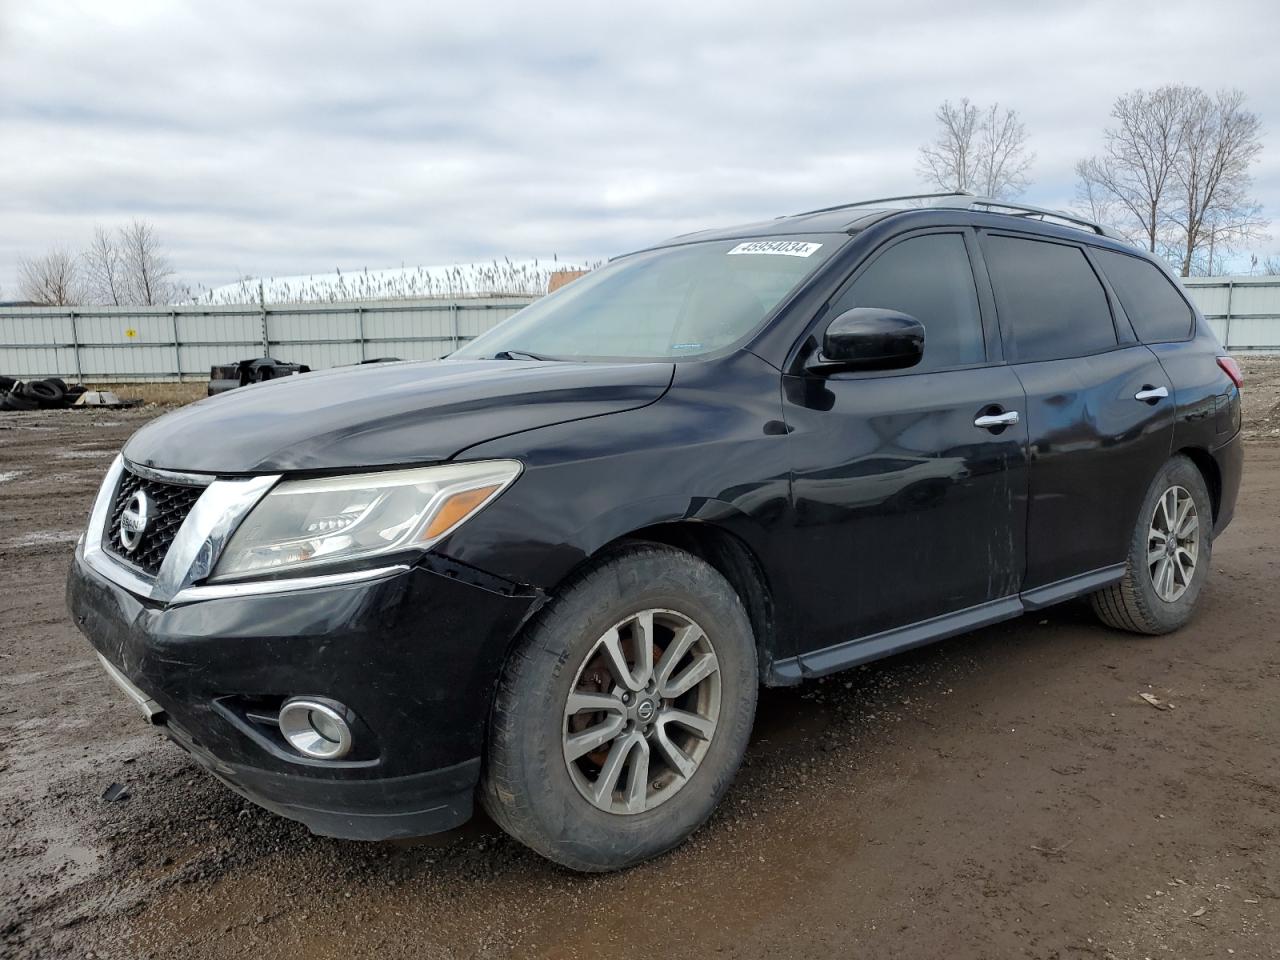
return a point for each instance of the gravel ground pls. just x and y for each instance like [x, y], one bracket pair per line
[1003, 794]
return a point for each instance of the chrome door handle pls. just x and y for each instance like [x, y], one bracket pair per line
[997, 420]
[1151, 393]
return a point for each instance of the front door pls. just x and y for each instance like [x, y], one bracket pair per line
[908, 505]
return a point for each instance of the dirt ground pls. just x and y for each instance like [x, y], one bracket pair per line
[1002, 794]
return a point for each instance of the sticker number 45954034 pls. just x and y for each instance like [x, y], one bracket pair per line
[784, 248]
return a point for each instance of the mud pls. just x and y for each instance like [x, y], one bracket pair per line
[1004, 794]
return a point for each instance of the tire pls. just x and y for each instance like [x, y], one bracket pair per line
[530, 786]
[13, 401]
[44, 392]
[7, 383]
[1152, 598]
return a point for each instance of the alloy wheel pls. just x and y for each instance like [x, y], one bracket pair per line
[1173, 543]
[642, 711]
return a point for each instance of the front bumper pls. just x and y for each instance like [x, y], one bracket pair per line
[414, 655]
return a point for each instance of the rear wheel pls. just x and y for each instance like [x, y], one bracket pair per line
[1168, 555]
[623, 714]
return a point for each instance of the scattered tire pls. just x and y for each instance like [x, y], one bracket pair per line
[1169, 555]
[623, 712]
[12, 401]
[7, 383]
[45, 392]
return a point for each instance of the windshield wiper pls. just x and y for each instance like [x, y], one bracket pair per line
[518, 355]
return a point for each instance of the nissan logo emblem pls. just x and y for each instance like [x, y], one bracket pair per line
[133, 522]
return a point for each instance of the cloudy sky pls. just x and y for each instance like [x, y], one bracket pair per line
[281, 138]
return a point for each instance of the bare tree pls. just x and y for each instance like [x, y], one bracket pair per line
[148, 271]
[52, 280]
[1099, 204]
[1174, 173]
[950, 161]
[1003, 158]
[104, 268]
[978, 150]
[1214, 207]
[1133, 177]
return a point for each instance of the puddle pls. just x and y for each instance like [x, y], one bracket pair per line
[69, 862]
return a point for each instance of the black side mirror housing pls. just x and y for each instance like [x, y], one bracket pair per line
[870, 338]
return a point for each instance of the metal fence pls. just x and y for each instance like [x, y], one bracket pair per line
[121, 344]
[1243, 311]
[106, 344]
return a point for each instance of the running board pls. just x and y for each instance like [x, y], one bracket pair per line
[851, 653]
[1040, 597]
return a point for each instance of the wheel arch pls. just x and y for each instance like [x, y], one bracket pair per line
[1209, 470]
[708, 539]
[734, 560]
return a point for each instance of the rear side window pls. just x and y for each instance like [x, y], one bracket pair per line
[1158, 312]
[930, 278]
[1049, 298]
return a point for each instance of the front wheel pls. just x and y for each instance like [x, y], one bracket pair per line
[1168, 555]
[623, 713]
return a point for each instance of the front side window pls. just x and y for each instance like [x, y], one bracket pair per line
[1049, 298]
[928, 277]
[1158, 312]
[671, 303]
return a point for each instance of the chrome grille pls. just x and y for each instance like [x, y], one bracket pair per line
[171, 502]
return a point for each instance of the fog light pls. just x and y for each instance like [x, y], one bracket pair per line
[316, 728]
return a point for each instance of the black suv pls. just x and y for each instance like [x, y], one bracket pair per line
[552, 569]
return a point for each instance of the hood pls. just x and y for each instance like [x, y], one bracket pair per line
[387, 414]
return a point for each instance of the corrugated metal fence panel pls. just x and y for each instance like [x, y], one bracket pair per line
[1212, 301]
[217, 335]
[317, 336]
[164, 343]
[1243, 311]
[129, 343]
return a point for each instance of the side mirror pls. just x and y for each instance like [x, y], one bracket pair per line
[870, 338]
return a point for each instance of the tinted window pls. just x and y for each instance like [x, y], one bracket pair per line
[1148, 296]
[1049, 298]
[929, 278]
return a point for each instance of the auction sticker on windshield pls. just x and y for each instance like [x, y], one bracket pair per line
[784, 248]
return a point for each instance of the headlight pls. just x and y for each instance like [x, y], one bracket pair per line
[306, 523]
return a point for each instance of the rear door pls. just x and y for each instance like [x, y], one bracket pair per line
[1099, 410]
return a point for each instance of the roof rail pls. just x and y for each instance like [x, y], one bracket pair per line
[869, 203]
[1014, 209]
[964, 200]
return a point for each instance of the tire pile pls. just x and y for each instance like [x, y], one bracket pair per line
[48, 394]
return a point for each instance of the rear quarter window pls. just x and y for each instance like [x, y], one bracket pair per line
[1157, 310]
[1049, 299]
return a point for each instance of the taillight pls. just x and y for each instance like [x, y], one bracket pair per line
[1232, 370]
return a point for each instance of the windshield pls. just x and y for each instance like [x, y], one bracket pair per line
[671, 303]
